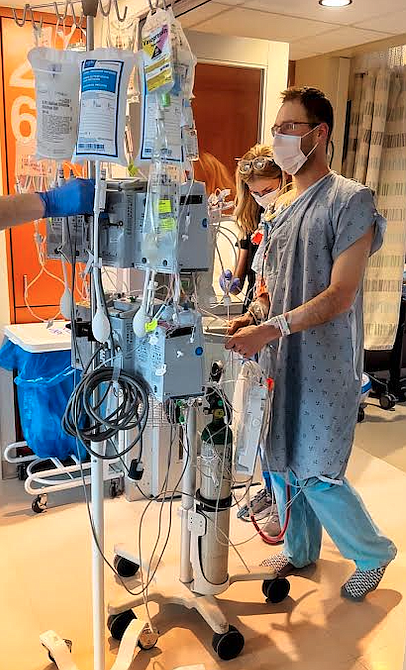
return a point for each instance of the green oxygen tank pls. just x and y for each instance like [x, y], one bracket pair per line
[215, 490]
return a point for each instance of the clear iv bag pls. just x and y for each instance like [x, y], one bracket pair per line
[104, 78]
[169, 74]
[57, 100]
[160, 225]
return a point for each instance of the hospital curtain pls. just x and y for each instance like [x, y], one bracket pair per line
[377, 157]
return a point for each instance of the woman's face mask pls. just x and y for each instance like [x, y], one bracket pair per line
[287, 151]
[267, 199]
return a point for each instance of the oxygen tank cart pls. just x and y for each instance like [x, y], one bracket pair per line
[205, 526]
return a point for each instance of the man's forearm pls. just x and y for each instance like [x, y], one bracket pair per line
[16, 209]
[323, 308]
[259, 308]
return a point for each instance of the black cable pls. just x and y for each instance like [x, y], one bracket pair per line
[83, 418]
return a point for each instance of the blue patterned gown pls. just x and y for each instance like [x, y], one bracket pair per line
[317, 372]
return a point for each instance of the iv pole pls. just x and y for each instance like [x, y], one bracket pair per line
[97, 481]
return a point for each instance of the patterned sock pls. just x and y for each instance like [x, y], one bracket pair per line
[278, 562]
[361, 583]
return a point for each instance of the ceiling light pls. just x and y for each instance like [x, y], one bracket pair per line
[335, 3]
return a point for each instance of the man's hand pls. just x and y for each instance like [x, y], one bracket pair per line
[250, 340]
[238, 323]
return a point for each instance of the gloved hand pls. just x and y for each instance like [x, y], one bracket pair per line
[228, 283]
[74, 197]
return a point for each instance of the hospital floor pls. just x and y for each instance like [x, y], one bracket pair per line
[45, 579]
[380, 424]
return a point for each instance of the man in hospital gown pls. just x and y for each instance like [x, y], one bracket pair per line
[313, 263]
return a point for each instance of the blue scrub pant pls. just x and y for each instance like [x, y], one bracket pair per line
[339, 509]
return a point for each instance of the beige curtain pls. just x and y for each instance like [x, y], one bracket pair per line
[377, 157]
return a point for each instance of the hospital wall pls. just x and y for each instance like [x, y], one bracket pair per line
[272, 57]
[331, 74]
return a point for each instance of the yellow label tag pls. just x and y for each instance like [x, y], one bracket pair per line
[151, 326]
[168, 224]
[165, 207]
[133, 170]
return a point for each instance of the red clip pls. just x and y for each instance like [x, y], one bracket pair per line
[270, 383]
[256, 238]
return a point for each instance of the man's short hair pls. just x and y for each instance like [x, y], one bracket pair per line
[318, 107]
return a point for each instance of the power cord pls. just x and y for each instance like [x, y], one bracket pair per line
[86, 420]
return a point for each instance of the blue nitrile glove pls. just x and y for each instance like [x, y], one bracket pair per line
[74, 197]
[228, 283]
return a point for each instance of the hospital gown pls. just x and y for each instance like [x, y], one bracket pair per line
[317, 372]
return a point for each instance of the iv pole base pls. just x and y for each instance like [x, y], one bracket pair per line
[227, 640]
[174, 593]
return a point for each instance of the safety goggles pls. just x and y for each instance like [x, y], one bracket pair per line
[255, 165]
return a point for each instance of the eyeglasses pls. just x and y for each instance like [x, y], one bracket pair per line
[291, 127]
[256, 164]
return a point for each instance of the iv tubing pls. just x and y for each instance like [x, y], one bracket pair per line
[278, 538]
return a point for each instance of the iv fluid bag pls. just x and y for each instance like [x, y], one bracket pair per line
[160, 225]
[57, 98]
[104, 77]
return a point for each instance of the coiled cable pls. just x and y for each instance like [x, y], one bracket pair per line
[90, 419]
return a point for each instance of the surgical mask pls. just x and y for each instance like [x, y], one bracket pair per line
[267, 199]
[287, 151]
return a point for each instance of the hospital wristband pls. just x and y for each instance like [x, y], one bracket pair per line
[280, 322]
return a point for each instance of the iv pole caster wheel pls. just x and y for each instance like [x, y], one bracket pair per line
[148, 639]
[125, 568]
[39, 504]
[115, 489]
[68, 643]
[118, 623]
[276, 590]
[228, 645]
[387, 401]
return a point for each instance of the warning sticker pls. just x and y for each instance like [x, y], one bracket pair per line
[157, 53]
[165, 207]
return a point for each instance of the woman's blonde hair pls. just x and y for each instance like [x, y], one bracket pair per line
[213, 173]
[247, 210]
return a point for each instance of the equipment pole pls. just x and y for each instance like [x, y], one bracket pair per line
[97, 480]
[189, 490]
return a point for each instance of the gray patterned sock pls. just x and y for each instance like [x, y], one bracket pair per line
[361, 583]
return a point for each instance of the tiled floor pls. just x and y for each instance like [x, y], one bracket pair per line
[379, 425]
[45, 577]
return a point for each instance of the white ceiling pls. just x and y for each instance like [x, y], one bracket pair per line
[309, 28]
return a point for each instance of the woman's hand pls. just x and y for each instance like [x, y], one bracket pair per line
[240, 322]
[229, 283]
[250, 340]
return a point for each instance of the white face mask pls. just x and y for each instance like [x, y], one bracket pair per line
[267, 199]
[287, 151]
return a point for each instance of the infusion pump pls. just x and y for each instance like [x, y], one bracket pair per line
[170, 360]
[121, 226]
